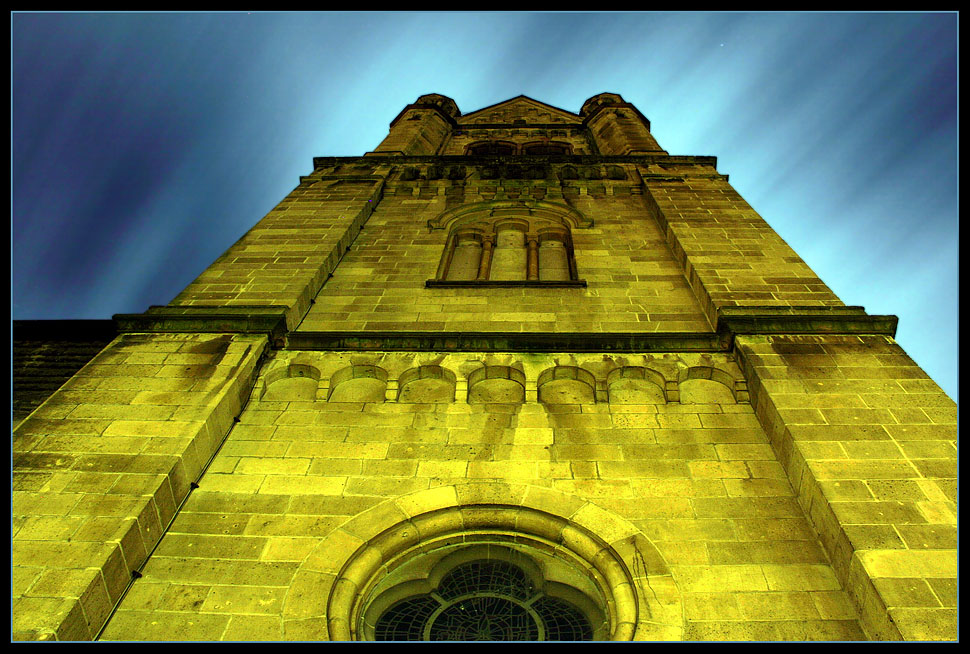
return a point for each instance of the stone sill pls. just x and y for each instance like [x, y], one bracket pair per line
[506, 342]
[536, 283]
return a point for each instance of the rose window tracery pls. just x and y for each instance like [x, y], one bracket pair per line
[491, 600]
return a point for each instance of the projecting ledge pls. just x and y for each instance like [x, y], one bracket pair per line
[803, 320]
[491, 283]
[244, 319]
[506, 342]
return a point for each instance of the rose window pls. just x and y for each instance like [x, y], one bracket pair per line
[484, 600]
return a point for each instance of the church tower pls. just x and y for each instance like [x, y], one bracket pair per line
[516, 374]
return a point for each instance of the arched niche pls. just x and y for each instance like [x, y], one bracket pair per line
[465, 256]
[568, 172]
[426, 384]
[491, 148]
[706, 385]
[566, 385]
[496, 385]
[510, 253]
[295, 382]
[615, 172]
[554, 257]
[360, 383]
[636, 385]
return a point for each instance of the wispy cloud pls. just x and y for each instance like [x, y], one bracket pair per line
[144, 145]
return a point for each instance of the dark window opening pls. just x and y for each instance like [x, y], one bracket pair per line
[484, 601]
[546, 148]
[479, 149]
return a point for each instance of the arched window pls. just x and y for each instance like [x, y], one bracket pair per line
[509, 250]
[546, 148]
[491, 148]
[510, 256]
[488, 599]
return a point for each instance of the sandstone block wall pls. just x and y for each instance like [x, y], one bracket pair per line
[694, 473]
[730, 254]
[737, 482]
[285, 259]
[634, 282]
[100, 468]
[870, 444]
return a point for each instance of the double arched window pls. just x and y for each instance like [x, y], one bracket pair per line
[508, 244]
[508, 250]
[509, 148]
[546, 148]
[491, 148]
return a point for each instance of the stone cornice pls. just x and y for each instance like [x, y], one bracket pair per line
[505, 342]
[470, 127]
[493, 283]
[269, 320]
[803, 320]
[576, 159]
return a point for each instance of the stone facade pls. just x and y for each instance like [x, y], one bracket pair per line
[519, 340]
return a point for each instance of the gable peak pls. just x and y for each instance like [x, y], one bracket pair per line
[522, 109]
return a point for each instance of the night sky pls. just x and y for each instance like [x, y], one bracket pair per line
[145, 145]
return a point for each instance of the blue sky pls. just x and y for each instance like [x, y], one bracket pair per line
[144, 145]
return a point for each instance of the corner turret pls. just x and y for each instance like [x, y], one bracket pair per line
[618, 127]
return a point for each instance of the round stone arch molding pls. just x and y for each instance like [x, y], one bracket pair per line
[734, 386]
[331, 589]
[478, 211]
[290, 381]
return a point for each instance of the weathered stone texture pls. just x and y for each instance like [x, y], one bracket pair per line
[285, 259]
[655, 396]
[698, 478]
[100, 468]
[634, 283]
[730, 254]
[870, 444]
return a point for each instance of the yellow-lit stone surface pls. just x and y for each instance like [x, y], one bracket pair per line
[737, 543]
[635, 283]
[875, 470]
[653, 403]
[94, 490]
